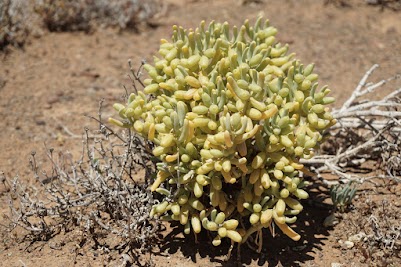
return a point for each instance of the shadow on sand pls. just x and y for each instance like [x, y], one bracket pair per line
[278, 250]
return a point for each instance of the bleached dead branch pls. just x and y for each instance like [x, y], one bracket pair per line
[367, 130]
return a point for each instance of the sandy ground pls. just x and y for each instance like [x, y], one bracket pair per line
[46, 88]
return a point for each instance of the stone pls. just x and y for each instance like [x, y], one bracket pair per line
[330, 221]
[357, 237]
[348, 244]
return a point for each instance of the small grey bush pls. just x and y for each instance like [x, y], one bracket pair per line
[71, 15]
[14, 22]
[20, 18]
[98, 194]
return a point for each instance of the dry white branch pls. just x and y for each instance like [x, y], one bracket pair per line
[365, 130]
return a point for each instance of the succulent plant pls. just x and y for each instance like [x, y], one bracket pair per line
[230, 114]
[342, 195]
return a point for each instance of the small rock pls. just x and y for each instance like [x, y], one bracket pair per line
[53, 99]
[348, 244]
[40, 122]
[336, 264]
[356, 238]
[330, 221]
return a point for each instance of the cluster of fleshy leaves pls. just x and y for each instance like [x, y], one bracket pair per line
[230, 114]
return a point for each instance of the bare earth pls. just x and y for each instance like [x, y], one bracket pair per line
[46, 89]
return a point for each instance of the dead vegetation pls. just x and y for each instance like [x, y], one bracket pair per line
[394, 5]
[375, 229]
[87, 15]
[367, 130]
[20, 18]
[96, 194]
[391, 4]
[14, 22]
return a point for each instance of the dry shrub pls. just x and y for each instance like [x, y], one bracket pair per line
[367, 130]
[14, 22]
[98, 195]
[376, 226]
[72, 15]
[21, 18]
[394, 5]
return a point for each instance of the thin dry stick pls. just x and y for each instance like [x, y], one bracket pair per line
[78, 194]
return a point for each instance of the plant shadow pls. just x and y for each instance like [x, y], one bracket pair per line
[275, 251]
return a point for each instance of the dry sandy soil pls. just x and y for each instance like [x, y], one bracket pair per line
[46, 88]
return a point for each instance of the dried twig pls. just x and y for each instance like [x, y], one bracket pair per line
[99, 193]
[96, 194]
[366, 130]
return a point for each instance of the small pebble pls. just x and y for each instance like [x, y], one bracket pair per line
[330, 221]
[348, 244]
[356, 238]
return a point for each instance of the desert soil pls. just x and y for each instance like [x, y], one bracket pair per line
[47, 88]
